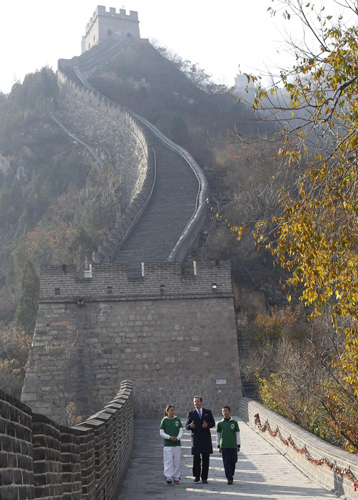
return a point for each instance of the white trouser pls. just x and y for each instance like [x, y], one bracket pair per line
[171, 456]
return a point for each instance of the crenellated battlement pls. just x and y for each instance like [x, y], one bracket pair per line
[110, 25]
[164, 280]
[101, 11]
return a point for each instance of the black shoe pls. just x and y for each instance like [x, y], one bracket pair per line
[230, 481]
[196, 480]
[205, 481]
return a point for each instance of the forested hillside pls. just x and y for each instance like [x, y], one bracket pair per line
[45, 184]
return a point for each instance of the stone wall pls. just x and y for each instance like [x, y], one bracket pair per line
[112, 131]
[158, 280]
[109, 132]
[172, 334]
[41, 459]
[315, 447]
[16, 450]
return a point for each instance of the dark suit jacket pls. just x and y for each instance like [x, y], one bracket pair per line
[200, 436]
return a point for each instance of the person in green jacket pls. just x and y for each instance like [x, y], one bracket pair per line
[228, 434]
[171, 430]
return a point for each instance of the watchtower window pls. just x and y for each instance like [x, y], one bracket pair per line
[129, 35]
[109, 32]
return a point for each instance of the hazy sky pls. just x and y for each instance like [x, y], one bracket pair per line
[219, 36]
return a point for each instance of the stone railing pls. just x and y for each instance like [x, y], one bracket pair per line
[332, 467]
[42, 459]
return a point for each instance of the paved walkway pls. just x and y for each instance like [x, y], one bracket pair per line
[261, 472]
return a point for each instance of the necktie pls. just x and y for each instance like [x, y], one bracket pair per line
[199, 411]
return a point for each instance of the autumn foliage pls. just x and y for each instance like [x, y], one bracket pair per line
[316, 237]
[14, 348]
[290, 359]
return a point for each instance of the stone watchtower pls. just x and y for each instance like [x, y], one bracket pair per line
[104, 26]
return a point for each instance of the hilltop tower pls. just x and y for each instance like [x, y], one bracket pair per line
[110, 25]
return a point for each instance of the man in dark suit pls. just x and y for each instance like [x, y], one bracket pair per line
[199, 422]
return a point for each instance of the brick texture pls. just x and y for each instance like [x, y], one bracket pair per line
[42, 459]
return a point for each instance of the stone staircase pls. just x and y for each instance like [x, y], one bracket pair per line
[171, 206]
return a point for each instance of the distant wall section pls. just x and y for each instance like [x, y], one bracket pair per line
[111, 132]
[172, 334]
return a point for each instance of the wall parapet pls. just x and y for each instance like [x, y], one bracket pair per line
[315, 448]
[112, 12]
[42, 459]
[113, 281]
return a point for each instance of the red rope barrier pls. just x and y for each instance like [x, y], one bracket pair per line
[303, 451]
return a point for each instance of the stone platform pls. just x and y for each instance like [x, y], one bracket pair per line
[261, 472]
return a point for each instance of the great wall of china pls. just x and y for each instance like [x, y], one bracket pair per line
[130, 315]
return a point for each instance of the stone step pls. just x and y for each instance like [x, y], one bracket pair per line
[170, 209]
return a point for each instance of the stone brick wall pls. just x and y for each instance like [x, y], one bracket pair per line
[112, 281]
[110, 131]
[315, 446]
[172, 334]
[16, 450]
[46, 436]
[41, 459]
